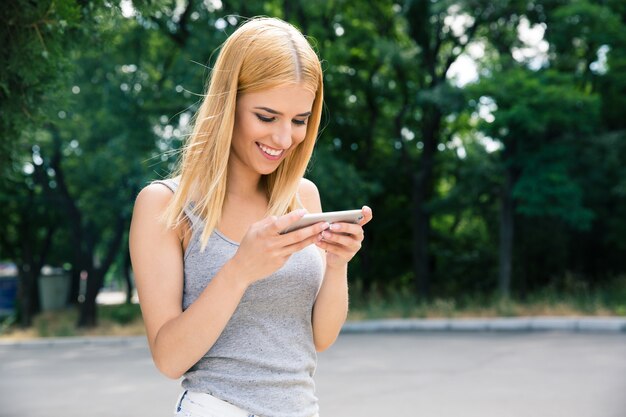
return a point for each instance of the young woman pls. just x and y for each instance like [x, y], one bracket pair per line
[229, 303]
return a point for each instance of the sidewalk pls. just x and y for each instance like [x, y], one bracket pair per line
[367, 374]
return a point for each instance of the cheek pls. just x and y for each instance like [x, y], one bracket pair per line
[298, 136]
[249, 130]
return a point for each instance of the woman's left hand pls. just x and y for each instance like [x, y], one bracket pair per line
[343, 240]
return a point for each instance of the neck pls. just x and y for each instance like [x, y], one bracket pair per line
[242, 182]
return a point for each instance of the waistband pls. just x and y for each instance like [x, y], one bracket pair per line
[202, 404]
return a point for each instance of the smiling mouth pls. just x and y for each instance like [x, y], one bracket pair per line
[270, 152]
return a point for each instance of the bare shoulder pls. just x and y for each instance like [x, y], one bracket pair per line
[154, 196]
[150, 205]
[309, 196]
[308, 187]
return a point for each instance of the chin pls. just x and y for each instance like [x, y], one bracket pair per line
[268, 171]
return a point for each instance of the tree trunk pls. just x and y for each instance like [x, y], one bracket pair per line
[423, 190]
[28, 290]
[127, 278]
[87, 312]
[25, 289]
[74, 285]
[95, 280]
[506, 236]
[421, 221]
[30, 269]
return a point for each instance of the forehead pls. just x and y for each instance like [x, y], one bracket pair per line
[288, 99]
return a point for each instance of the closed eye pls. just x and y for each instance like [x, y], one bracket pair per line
[264, 118]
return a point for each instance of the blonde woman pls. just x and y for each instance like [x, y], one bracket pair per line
[230, 304]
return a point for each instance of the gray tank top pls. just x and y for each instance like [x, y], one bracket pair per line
[265, 358]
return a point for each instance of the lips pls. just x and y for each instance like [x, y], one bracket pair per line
[270, 153]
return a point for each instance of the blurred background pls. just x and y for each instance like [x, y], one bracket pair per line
[488, 137]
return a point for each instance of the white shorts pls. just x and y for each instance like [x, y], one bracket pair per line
[199, 404]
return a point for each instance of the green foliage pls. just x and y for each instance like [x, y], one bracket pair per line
[33, 59]
[56, 324]
[546, 188]
[589, 41]
[94, 103]
[120, 314]
[568, 296]
[577, 29]
[344, 188]
[601, 172]
[534, 113]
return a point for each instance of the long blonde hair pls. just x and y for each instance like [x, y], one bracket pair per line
[261, 54]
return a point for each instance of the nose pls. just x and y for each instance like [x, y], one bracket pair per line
[282, 136]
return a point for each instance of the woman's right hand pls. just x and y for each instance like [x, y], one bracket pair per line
[264, 250]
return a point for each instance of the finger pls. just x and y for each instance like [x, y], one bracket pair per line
[348, 228]
[283, 222]
[268, 221]
[335, 249]
[367, 215]
[298, 246]
[304, 233]
[350, 242]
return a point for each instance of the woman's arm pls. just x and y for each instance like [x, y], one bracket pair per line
[331, 306]
[177, 338]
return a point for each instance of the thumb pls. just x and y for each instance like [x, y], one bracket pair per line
[287, 220]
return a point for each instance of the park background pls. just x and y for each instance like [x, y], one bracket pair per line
[488, 137]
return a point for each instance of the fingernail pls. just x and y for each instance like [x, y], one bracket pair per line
[325, 235]
[326, 226]
[335, 226]
[301, 212]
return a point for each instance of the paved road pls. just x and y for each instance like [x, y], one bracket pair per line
[486, 374]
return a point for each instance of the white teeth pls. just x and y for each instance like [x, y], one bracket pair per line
[269, 151]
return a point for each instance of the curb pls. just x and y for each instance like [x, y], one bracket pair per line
[500, 324]
[74, 341]
[504, 324]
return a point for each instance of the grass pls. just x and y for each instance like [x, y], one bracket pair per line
[113, 320]
[572, 300]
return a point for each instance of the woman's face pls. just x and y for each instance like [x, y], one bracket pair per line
[268, 126]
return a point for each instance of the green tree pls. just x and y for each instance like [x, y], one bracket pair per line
[109, 104]
[535, 112]
[133, 92]
[441, 31]
[589, 40]
[33, 66]
[31, 32]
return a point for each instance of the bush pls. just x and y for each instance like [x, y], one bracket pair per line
[120, 314]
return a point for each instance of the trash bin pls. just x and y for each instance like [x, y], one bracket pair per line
[8, 294]
[54, 287]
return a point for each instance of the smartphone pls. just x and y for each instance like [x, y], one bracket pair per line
[347, 216]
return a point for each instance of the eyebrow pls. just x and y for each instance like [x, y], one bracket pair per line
[272, 111]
